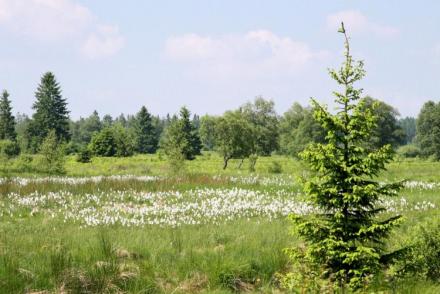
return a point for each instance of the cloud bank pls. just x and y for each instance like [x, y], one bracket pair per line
[255, 54]
[61, 20]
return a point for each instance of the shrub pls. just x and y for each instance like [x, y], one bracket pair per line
[9, 148]
[176, 160]
[72, 148]
[52, 155]
[84, 155]
[103, 143]
[113, 141]
[124, 142]
[275, 168]
[23, 163]
[409, 151]
[422, 259]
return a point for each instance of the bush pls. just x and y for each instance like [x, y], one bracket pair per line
[275, 168]
[72, 148]
[103, 143]
[51, 155]
[422, 259]
[23, 163]
[409, 151]
[84, 155]
[9, 148]
[112, 142]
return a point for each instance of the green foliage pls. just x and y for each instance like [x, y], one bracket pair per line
[345, 236]
[422, 259]
[9, 148]
[84, 155]
[264, 120]
[52, 155]
[252, 162]
[84, 129]
[387, 130]
[234, 137]
[22, 123]
[124, 141]
[146, 139]
[181, 136]
[7, 120]
[298, 128]
[409, 151]
[275, 167]
[50, 112]
[409, 126]
[207, 132]
[114, 141]
[428, 130]
[104, 143]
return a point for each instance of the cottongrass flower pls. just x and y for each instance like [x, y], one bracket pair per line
[198, 206]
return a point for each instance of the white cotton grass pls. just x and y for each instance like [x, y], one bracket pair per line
[172, 208]
[21, 181]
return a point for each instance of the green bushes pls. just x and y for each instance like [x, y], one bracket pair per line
[9, 148]
[422, 258]
[275, 167]
[114, 141]
[51, 153]
[84, 155]
[409, 151]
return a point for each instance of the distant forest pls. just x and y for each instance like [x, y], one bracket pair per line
[254, 129]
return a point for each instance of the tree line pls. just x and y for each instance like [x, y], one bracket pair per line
[254, 129]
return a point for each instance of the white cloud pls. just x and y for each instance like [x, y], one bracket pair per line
[105, 42]
[356, 22]
[251, 55]
[60, 20]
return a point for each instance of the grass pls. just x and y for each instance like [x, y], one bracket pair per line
[42, 250]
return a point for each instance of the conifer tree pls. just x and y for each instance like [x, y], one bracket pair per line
[345, 237]
[146, 139]
[181, 133]
[50, 112]
[191, 134]
[7, 120]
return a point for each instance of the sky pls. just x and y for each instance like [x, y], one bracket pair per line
[212, 56]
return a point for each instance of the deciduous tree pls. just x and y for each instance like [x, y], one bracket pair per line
[234, 136]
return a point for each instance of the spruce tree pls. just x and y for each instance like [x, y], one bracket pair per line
[181, 134]
[50, 112]
[7, 120]
[345, 238]
[146, 139]
[190, 133]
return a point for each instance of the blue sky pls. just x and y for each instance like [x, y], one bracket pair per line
[115, 56]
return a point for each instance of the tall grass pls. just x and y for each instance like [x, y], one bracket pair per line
[41, 253]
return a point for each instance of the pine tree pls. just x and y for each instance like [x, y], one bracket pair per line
[7, 120]
[191, 134]
[345, 238]
[146, 139]
[50, 112]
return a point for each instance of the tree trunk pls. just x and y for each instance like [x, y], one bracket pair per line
[225, 162]
[241, 163]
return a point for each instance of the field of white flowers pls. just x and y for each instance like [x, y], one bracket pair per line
[176, 234]
[249, 197]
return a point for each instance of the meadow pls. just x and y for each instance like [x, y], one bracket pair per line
[129, 225]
